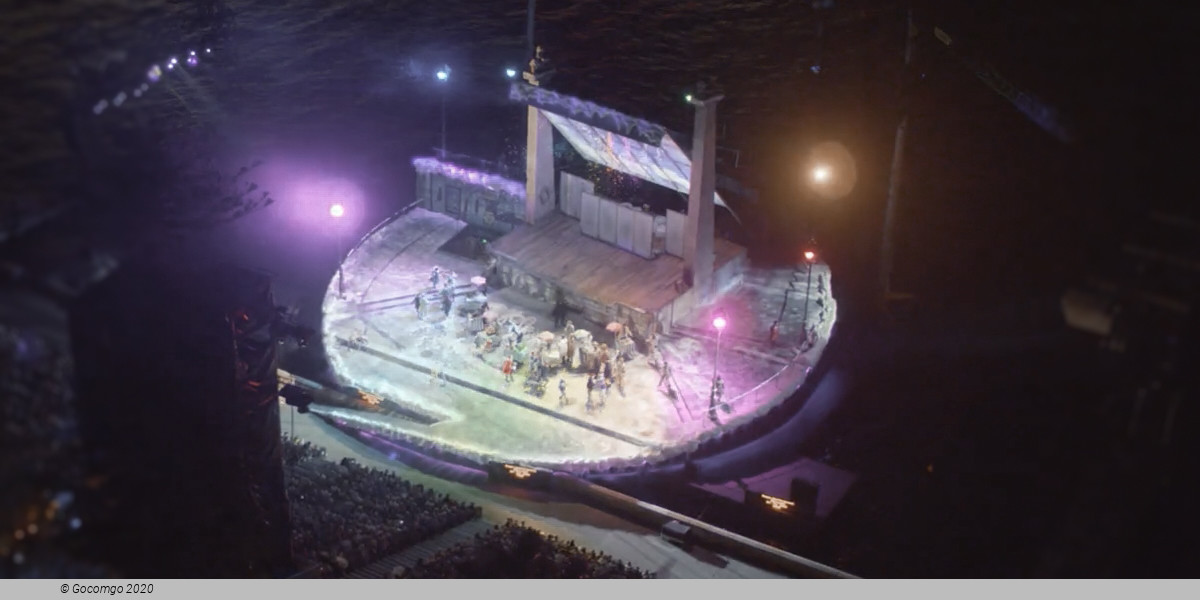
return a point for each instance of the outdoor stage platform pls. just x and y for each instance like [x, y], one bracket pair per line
[602, 280]
[378, 342]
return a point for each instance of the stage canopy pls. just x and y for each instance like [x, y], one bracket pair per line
[648, 152]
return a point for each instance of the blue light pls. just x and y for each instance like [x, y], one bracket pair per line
[443, 74]
[510, 72]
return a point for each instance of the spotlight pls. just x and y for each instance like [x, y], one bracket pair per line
[443, 74]
[192, 60]
[120, 99]
[208, 50]
[687, 98]
[510, 72]
[155, 73]
[170, 66]
[100, 106]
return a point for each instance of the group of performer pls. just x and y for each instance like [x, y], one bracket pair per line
[441, 286]
[541, 355]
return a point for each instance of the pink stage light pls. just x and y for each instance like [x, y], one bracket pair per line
[719, 323]
[337, 210]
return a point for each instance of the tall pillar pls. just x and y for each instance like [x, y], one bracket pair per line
[539, 167]
[698, 253]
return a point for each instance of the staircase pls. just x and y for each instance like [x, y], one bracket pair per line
[382, 568]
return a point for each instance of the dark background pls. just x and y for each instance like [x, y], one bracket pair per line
[990, 441]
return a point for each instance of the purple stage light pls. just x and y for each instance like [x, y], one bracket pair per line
[719, 322]
[170, 66]
[208, 50]
[192, 60]
[155, 73]
[336, 211]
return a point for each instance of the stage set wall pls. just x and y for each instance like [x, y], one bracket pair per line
[471, 203]
[725, 277]
[546, 289]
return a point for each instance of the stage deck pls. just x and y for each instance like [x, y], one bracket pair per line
[557, 250]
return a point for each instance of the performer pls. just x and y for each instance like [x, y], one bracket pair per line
[602, 388]
[619, 375]
[666, 375]
[507, 369]
[718, 391]
[773, 335]
[562, 392]
[434, 276]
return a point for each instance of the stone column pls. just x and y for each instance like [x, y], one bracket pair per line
[698, 253]
[539, 167]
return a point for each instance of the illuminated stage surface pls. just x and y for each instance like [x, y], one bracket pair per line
[482, 418]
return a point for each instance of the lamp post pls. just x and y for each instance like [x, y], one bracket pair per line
[337, 211]
[443, 75]
[809, 257]
[719, 324]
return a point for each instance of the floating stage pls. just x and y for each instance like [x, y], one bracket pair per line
[402, 335]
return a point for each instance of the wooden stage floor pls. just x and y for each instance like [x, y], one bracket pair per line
[557, 250]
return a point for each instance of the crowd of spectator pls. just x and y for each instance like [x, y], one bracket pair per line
[296, 450]
[41, 460]
[345, 515]
[515, 551]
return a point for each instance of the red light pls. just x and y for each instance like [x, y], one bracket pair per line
[809, 255]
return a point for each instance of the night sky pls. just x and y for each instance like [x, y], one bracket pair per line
[994, 212]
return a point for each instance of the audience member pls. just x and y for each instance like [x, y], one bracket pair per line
[514, 551]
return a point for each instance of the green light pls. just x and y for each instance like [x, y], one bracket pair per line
[687, 97]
